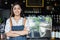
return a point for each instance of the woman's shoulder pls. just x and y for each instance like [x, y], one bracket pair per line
[8, 19]
[23, 18]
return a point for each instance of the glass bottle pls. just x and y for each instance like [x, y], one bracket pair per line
[53, 33]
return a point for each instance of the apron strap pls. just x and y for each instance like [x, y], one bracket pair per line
[10, 22]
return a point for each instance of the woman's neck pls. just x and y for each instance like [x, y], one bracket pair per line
[16, 17]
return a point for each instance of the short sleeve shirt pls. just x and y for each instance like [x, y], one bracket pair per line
[20, 22]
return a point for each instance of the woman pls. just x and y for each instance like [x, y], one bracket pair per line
[16, 28]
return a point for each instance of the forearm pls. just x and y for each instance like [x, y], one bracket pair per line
[24, 32]
[10, 34]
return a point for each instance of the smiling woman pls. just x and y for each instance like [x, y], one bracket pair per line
[16, 28]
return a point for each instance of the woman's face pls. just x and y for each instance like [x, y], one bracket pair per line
[16, 10]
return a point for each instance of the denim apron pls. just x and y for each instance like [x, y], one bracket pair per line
[18, 28]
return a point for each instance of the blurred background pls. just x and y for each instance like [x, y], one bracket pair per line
[43, 17]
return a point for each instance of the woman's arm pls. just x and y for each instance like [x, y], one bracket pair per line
[8, 31]
[24, 32]
[11, 34]
[17, 33]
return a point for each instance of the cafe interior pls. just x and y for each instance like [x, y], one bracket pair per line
[43, 16]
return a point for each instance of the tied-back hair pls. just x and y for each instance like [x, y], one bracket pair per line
[12, 14]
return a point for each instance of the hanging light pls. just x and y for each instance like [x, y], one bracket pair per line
[11, 4]
[6, 2]
[23, 0]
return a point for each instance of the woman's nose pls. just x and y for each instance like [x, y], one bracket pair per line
[16, 10]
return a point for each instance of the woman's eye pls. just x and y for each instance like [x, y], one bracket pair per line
[18, 8]
[14, 8]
